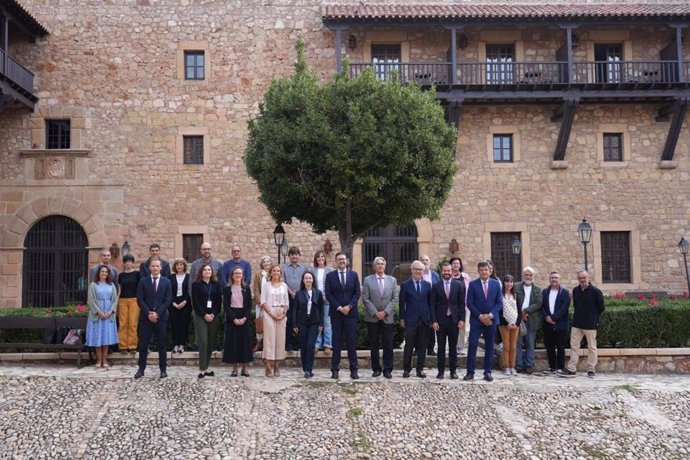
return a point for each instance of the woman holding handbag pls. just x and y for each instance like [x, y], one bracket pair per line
[101, 328]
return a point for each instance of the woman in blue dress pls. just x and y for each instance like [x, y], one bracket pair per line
[101, 328]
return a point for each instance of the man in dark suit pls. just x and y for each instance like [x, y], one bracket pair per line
[342, 292]
[447, 303]
[485, 301]
[155, 252]
[555, 302]
[415, 297]
[154, 295]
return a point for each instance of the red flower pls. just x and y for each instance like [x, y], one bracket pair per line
[653, 303]
[619, 295]
[80, 308]
[641, 296]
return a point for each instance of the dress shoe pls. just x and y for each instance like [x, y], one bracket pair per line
[213, 374]
[311, 374]
[200, 376]
[488, 377]
[376, 374]
[388, 374]
[454, 375]
[306, 375]
[421, 374]
[439, 376]
[406, 374]
[164, 375]
[139, 374]
[468, 377]
[334, 374]
[354, 375]
[529, 370]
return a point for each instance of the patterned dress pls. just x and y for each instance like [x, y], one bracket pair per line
[100, 332]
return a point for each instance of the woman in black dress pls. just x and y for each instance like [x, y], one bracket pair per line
[181, 308]
[237, 300]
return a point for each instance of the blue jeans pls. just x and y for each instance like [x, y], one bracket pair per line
[526, 359]
[325, 338]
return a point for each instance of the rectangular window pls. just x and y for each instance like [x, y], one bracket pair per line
[57, 134]
[615, 257]
[503, 148]
[613, 147]
[191, 242]
[194, 65]
[386, 58]
[506, 262]
[193, 150]
[499, 64]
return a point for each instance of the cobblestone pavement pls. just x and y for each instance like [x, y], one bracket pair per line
[49, 411]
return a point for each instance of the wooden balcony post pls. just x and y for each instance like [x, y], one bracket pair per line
[338, 49]
[569, 50]
[453, 55]
[682, 71]
[4, 26]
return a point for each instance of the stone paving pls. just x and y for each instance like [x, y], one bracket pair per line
[49, 411]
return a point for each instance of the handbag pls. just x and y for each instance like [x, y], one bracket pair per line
[259, 325]
[523, 329]
[73, 337]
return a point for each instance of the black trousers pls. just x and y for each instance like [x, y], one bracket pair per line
[447, 330]
[344, 326]
[416, 337]
[146, 330]
[179, 323]
[375, 331]
[554, 341]
[291, 340]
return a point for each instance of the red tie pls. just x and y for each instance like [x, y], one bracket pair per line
[486, 289]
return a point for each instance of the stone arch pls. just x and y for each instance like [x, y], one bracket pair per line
[19, 224]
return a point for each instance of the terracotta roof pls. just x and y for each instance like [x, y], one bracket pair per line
[23, 16]
[423, 11]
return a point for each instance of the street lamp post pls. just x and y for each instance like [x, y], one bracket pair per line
[284, 250]
[584, 231]
[278, 238]
[517, 246]
[683, 246]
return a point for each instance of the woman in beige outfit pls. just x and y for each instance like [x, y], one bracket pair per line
[275, 304]
[260, 277]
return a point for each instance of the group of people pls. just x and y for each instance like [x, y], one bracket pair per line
[316, 307]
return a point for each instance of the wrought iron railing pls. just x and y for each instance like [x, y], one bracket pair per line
[531, 73]
[16, 73]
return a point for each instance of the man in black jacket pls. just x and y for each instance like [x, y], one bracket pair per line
[589, 304]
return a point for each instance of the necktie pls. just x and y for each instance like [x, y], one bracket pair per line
[486, 290]
[447, 289]
[381, 286]
[342, 278]
[417, 287]
[155, 285]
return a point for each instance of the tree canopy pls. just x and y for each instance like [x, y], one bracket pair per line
[350, 154]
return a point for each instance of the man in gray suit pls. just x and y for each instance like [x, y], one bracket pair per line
[528, 295]
[380, 295]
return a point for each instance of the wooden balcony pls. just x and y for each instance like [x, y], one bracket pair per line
[14, 77]
[538, 77]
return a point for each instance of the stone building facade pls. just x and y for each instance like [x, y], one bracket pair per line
[117, 71]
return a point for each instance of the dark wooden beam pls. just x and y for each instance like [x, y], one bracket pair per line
[665, 111]
[680, 107]
[454, 112]
[568, 115]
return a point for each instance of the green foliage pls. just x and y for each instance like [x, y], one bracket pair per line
[638, 325]
[350, 154]
[34, 312]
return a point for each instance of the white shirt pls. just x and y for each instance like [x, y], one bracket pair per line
[528, 294]
[309, 302]
[552, 300]
[180, 280]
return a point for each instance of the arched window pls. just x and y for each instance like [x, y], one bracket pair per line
[55, 263]
[396, 243]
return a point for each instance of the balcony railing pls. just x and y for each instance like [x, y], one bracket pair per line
[532, 73]
[16, 73]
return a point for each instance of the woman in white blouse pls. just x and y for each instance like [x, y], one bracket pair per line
[511, 316]
[275, 304]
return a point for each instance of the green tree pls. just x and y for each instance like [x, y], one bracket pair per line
[350, 154]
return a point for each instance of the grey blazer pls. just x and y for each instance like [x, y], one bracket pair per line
[373, 302]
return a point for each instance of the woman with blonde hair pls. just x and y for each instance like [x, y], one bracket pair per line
[260, 277]
[275, 304]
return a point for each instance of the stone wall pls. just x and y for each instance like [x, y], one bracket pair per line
[114, 69]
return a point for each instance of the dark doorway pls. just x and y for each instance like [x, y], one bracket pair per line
[395, 243]
[505, 262]
[55, 263]
[608, 57]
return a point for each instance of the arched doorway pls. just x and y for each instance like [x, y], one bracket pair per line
[55, 263]
[396, 243]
